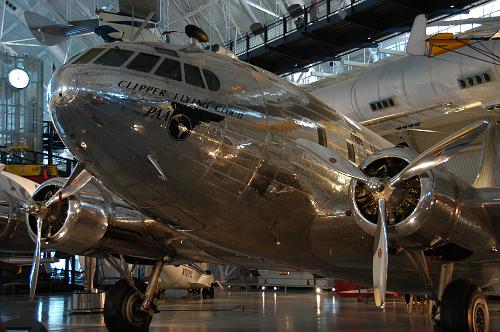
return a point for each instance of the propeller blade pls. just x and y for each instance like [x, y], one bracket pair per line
[332, 159]
[71, 187]
[13, 188]
[440, 152]
[36, 258]
[380, 256]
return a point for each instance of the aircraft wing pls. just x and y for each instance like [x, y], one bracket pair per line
[140, 9]
[488, 29]
[474, 20]
[392, 123]
[49, 33]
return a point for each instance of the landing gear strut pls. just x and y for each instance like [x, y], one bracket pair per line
[464, 308]
[129, 305]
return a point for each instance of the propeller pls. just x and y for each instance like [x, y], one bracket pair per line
[73, 185]
[434, 156]
[13, 188]
[380, 256]
[35, 266]
[440, 152]
[79, 178]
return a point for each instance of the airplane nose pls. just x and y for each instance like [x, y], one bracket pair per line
[63, 87]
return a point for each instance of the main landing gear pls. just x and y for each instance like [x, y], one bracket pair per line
[129, 304]
[463, 306]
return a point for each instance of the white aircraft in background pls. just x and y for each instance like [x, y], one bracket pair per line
[193, 277]
[445, 74]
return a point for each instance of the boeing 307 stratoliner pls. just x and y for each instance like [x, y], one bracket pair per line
[257, 172]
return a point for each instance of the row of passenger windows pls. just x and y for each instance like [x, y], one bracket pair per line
[145, 62]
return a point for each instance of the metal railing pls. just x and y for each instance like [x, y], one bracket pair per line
[280, 28]
[64, 165]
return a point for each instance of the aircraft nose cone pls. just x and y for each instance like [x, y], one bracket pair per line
[63, 87]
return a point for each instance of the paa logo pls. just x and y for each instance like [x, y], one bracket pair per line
[179, 127]
[181, 119]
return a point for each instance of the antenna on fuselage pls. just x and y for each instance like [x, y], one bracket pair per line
[196, 33]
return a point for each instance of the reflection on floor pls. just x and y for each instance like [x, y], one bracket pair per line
[239, 311]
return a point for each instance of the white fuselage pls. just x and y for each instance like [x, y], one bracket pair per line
[419, 82]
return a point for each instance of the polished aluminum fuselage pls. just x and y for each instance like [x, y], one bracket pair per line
[237, 186]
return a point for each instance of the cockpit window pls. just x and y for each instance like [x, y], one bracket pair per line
[114, 57]
[193, 75]
[212, 80]
[170, 69]
[143, 62]
[166, 51]
[89, 55]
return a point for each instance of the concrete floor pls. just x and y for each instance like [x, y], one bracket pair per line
[269, 311]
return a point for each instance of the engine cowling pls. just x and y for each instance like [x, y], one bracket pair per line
[420, 211]
[95, 222]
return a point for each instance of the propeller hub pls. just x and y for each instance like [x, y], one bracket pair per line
[375, 185]
[401, 198]
[53, 215]
[32, 208]
[387, 191]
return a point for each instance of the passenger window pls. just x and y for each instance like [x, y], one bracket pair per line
[143, 62]
[322, 136]
[89, 55]
[166, 51]
[212, 80]
[170, 69]
[114, 57]
[193, 75]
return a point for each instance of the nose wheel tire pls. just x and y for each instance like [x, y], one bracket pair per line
[122, 308]
[464, 308]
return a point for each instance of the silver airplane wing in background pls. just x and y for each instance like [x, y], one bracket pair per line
[129, 24]
[50, 33]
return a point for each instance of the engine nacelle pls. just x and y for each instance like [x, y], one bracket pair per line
[96, 222]
[424, 211]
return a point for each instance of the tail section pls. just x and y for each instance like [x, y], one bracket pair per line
[416, 42]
